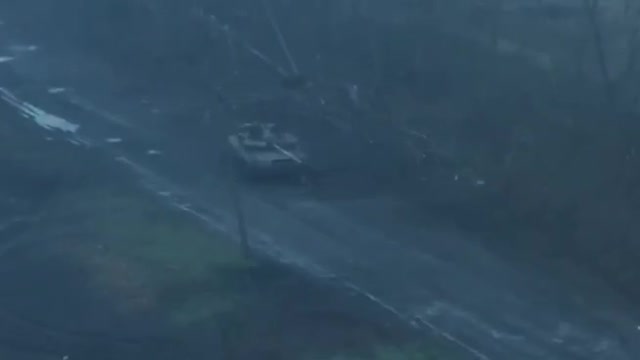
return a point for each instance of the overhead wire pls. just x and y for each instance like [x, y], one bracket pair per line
[283, 43]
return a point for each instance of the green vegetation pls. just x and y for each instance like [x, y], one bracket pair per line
[163, 246]
[199, 280]
[147, 258]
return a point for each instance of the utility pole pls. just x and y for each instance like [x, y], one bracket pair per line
[240, 215]
[593, 9]
[235, 189]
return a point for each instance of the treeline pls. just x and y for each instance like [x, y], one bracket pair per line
[546, 156]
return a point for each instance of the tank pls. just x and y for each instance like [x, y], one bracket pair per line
[266, 150]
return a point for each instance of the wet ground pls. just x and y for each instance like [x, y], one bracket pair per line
[438, 279]
[81, 278]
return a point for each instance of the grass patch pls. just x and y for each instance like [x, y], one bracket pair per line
[203, 285]
[135, 236]
[145, 257]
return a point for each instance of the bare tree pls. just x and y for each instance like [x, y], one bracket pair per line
[627, 77]
[593, 12]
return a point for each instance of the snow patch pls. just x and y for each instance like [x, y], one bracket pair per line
[56, 90]
[84, 141]
[444, 310]
[41, 117]
[80, 142]
[4, 59]
[113, 140]
[88, 106]
[154, 152]
[23, 48]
